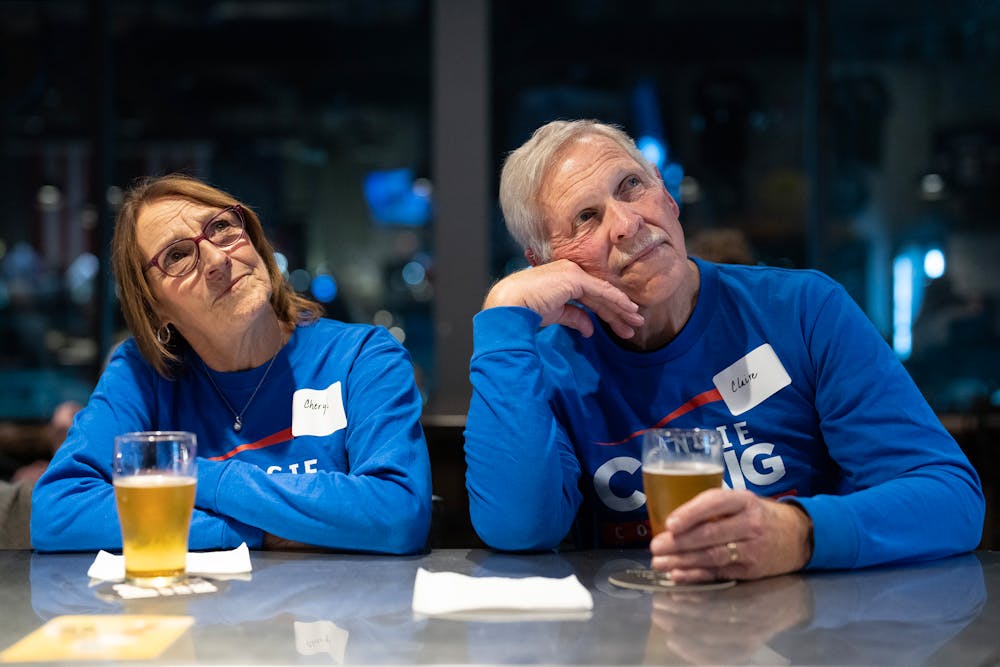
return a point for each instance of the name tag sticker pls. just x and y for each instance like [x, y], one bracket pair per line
[318, 411]
[751, 380]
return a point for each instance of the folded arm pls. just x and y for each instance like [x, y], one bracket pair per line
[381, 504]
[73, 504]
[521, 470]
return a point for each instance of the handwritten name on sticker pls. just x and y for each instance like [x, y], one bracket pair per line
[751, 380]
[318, 411]
[315, 405]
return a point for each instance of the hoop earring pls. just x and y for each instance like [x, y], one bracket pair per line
[161, 337]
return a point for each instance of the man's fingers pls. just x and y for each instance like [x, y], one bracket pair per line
[600, 295]
[623, 322]
[707, 506]
[613, 306]
[575, 318]
[550, 289]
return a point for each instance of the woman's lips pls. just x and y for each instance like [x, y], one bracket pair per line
[229, 290]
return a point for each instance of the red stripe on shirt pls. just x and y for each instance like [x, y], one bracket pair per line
[710, 396]
[279, 437]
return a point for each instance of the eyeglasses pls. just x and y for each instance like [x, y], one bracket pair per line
[180, 257]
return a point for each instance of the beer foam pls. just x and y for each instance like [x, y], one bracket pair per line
[683, 468]
[150, 481]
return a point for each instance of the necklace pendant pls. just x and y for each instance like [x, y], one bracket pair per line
[238, 425]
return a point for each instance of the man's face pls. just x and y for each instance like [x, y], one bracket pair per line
[605, 213]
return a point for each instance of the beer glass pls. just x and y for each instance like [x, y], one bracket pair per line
[677, 465]
[154, 474]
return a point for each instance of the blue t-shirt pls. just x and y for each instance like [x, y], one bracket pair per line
[331, 452]
[810, 400]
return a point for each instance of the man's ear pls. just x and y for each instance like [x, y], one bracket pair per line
[532, 258]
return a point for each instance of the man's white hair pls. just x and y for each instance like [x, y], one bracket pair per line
[524, 169]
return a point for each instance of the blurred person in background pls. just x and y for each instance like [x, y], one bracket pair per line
[55, 431]
[726, 245]
[15, 493]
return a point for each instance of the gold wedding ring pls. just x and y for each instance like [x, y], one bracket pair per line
[734, 555]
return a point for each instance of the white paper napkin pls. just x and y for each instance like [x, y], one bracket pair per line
[214, 564]
[449, 593]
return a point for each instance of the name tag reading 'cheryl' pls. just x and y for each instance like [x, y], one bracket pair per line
[318, 411]
[754, 378]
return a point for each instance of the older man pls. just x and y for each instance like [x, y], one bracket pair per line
[833, 457]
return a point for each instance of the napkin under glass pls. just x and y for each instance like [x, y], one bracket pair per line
[211, 564]
[453, 594]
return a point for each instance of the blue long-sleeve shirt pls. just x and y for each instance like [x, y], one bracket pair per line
[811, 403]
[331, 452]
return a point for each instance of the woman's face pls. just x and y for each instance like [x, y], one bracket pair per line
[225, 292]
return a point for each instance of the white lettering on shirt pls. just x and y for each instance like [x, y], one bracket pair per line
[308, 468]
[753, 462]
[602, 484]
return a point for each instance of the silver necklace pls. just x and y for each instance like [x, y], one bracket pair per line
[238, 423]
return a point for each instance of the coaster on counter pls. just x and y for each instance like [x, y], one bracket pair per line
[644, 579]
[189, 586]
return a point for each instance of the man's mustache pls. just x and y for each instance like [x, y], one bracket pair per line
[652, 236]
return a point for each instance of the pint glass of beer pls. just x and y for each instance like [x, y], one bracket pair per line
[154, 476]
[677, 465]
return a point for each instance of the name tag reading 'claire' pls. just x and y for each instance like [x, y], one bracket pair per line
[751, 380]
[318, 411]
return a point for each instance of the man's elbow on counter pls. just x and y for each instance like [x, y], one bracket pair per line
[508, 534]
[975, 525]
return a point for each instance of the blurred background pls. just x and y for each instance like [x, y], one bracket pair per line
[858, 138]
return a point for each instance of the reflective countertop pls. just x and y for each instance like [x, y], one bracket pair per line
[317, 608]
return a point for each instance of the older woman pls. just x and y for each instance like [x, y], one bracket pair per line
[308, 428]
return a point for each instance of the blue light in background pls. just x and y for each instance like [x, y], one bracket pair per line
[414, 273]
[672, 175]
[394, 198]
[80, 277]
[82, 269]
[300, 280]
[652, 149]
[282, 261]
[651, 142]
[902, 306]
[324, 288]
[934, 263]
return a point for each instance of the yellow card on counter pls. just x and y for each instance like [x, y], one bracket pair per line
[99, 637]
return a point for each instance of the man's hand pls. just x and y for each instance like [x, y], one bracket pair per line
[723, 534]
[548, 288]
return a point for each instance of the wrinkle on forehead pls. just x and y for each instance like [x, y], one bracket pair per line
[570, 178]
[165, 220]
